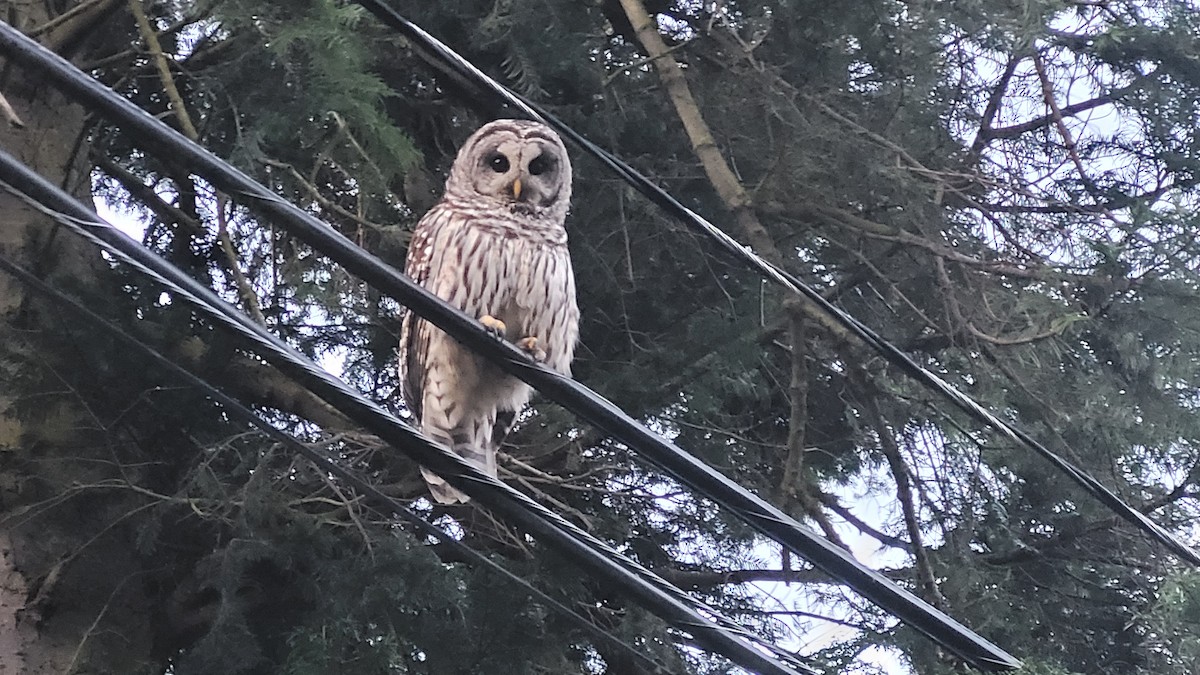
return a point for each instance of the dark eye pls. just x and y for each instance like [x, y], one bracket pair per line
[541, 164]
[498, 162]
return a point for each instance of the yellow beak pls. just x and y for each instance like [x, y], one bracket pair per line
[516, 188]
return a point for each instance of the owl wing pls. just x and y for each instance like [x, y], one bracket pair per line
[415, 333]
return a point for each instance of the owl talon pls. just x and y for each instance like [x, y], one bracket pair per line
[529, 346]
[495, 326]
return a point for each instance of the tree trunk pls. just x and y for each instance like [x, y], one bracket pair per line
[73, 597]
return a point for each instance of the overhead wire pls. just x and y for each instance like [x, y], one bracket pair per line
[151, 134]
[382, 501]
[705, 624]
[449, 59]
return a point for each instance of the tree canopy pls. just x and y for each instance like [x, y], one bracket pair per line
[1006, 191]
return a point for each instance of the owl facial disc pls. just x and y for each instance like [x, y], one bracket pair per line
[521, 165]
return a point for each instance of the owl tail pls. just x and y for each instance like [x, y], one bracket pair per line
[441, 491]
[476, 445]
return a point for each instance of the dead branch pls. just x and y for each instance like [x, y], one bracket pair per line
[10, 113]
[791, 483]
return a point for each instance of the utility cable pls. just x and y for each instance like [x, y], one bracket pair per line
[708, 626]
[382, 501]
[449, 59]
[152, 134]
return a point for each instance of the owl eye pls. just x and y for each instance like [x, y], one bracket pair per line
[541, 164]
[498, 162]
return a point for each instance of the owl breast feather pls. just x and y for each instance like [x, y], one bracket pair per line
[526, 282]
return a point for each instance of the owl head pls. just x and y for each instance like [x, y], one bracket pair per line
[521, 165]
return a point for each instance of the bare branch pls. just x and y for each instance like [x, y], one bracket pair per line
[245, 289]
[1037, 123]
[10, 113]
[993, 107]
[167, 213]
[698, 579]
[847, 515]
[903, 477]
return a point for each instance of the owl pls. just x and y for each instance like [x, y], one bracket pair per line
[495, 247]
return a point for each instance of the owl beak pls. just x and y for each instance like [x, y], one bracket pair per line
[516, 189]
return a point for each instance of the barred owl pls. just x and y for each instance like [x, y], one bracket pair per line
[494, 247]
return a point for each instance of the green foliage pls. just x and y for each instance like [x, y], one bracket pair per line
[1174, 622]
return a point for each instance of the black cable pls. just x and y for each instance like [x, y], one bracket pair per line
[383, 502]
[718, 633]
[152, 134]
[449, 59]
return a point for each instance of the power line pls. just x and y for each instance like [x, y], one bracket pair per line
[150, 133]
[384, 502]
[449, 59]
[707, 625]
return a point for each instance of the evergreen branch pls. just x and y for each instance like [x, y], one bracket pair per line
[580, 518]
[881, 232]
[348, 503]
[81, 8]
[739, 202]
[321, 199]
[990, 356]
[362, 152]
[753, 611]
[91, 630]
[1118, 202]
[1056, 328]
[168, 213]
[50, 581]
[1056, 115]
[608, 79]
[245, 289]
[150, 36]
[1070, 146]
[171, 29]
[164, 211]
[872, 270]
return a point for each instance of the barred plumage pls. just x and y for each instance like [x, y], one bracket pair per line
[496, 248]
